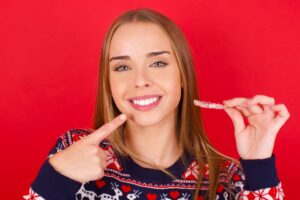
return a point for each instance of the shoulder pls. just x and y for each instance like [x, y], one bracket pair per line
[232, 169]
[75, 134]
[229, 170]
[230, 165]
[231, 176]
[68, 138]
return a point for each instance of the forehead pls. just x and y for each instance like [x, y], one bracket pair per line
[135, 38]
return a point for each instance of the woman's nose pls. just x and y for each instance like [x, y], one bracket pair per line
[142, 80]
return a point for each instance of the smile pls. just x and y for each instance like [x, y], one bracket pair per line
[144, 103]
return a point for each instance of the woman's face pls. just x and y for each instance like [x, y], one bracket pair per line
[144, 75]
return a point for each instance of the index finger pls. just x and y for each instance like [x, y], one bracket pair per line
[235, 101]
[262, 99]
[257, 99]
[101, 133]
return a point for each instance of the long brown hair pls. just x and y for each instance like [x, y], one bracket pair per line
[191, 135]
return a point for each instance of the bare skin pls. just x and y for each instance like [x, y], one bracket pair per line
[265, 118]
[149, 134]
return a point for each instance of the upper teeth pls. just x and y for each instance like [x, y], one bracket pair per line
[146, 101]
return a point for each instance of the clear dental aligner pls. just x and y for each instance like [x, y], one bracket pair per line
[209, 105]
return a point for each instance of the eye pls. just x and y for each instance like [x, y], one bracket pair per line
[120, 68]
[160, 64]
[125, 67]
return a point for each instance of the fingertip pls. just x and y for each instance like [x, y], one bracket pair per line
[273, 100]
[123, 117]
[195, 101]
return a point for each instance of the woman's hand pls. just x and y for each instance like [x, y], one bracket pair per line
[256, 140]
[84, 160]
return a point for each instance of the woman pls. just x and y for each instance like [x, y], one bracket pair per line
[151, 137]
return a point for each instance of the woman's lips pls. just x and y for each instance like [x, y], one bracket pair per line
[144, 97]
[145, 107]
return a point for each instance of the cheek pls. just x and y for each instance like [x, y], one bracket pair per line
[172, 86]
[175, 92]
[172, 81]
[117, 88]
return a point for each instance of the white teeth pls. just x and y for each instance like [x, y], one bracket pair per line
[146, 101]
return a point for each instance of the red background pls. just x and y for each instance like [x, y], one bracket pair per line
[49, 57]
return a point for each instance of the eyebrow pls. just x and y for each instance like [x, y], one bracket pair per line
[151, 54]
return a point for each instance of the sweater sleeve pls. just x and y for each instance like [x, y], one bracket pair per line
[256, 179]
[50, 184]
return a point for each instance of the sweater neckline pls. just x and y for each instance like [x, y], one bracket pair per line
[149, 174]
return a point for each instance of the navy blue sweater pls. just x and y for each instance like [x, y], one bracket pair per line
[124, 179]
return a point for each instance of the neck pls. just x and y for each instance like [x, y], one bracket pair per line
[155, 144]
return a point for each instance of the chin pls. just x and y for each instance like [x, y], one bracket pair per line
[145, 120]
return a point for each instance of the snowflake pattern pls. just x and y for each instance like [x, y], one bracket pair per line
[33, 195]
[236, 182]
[263, 194]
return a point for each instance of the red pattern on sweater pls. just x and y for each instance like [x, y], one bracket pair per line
[231, 175]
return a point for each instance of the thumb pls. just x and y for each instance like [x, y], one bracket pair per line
[237, 119]
[105, 130]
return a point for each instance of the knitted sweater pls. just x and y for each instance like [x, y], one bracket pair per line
[124, 179]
